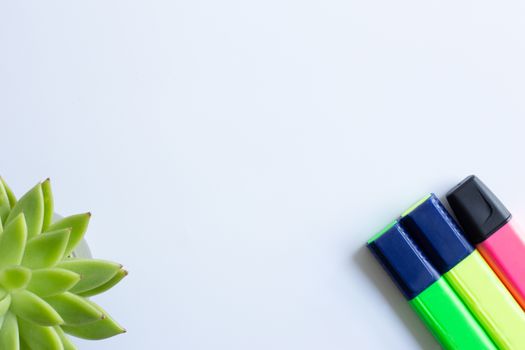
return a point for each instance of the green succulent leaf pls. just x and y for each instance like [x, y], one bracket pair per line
[32, 205]
[66, 342]
[5, 206]
[101, 329]
[73, 309]
[13, 242]
[39, 337]
[47, 249]
[14, 277]
[52, 281]
[43, 290]
[93, 272]
[78, 225]
[5, 303]
[48, 204]
[31, 307]
[10, 194]
[23, 345]
[9, 339]
[106, 286]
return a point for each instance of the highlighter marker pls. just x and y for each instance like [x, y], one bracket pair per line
[430, 295]
[442, 241]
[488, 225]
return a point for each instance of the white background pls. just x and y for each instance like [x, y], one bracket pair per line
[236, 155]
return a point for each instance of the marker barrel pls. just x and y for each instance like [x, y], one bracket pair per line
[448, 319]
[489, 300]
[489, 225]
[505, 252]
[441, 239]
[430, 295]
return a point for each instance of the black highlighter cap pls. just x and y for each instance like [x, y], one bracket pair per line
[477, 209]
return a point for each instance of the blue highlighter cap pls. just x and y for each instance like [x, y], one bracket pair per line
[402, 259]
[436, 233]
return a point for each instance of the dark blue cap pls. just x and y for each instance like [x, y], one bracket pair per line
[436, 233]
[403, 261]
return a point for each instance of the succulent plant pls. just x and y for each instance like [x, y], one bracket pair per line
[44, 288]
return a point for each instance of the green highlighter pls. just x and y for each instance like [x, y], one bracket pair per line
[436, 233]
[430, 295]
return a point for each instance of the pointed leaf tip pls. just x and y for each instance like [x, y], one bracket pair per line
[74, 309]
[10, 194]
[5, 206]
[93, 272]
[49, 210]
[78, 225]
[47, 249]
[32, 205]
[101, 329]
[106, 286]
[31, 307]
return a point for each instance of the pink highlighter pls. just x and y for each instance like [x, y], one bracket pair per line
[488, 225]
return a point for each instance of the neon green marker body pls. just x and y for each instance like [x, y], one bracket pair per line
[430, 295]
[489, 300]
[466, 271]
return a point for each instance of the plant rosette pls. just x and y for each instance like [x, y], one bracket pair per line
[44, 285]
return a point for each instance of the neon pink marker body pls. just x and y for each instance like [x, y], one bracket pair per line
[488, 225]
[505, 253]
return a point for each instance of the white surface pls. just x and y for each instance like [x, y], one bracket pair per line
[236, 155]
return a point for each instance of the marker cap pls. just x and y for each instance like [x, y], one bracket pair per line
[477, 209]
[401, 258]
[436, 233]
